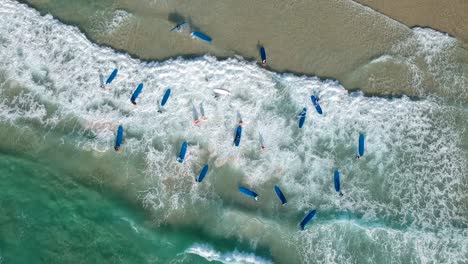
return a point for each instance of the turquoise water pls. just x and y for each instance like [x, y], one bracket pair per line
[67, 196]
[51, 215]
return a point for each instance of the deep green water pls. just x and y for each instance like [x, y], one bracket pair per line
[54, 209]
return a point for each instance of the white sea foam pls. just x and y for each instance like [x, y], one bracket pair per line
[413, 174]
[209, 253]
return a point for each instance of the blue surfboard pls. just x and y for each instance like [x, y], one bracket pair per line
[316, 104]
[118, 138]
[248, 192]
[336, 179]
[361, 144]
[238, 135]
[182, 152]
[112, 76]
[201, 36]
[307, 219]
[166, 96]
[280, 195]
[203, 173]
[302, 117]
[263, 56]
[136, 93]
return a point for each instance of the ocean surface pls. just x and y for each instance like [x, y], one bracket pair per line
[67, 197]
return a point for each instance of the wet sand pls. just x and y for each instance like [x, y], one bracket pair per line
[447, 16]
[327, 38]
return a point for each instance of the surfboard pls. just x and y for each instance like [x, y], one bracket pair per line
[183, 150]
[307, 219]
[195, 115]
[263, 56]
[336, 180]
[248, 192]
[280, 195]
[302, 117]
[221, 91]
[118, 138]
[239, 119]
[238, 135]
[166, 96]
[361, 144]
[203, 173]
[201, 36]
[101, 80]
[316, 104]
[136, 93]
[262, 144]
[112, 76]
[202, 112]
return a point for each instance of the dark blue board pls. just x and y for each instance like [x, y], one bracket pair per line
[302, 117]
[118, 139]
[166, 96]
[136, 93]
[263, 56]
[238, 135]
[316, 104]
[203, 173]
[182, 152]
[248, 192]
[361, 144]
[336, 179]
[201, 36]
[112, 76]
[307, 219]
[280, 195]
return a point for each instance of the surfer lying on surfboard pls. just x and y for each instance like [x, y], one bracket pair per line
[239, 119]
[202, 112]
[195, 115]
[262, 145]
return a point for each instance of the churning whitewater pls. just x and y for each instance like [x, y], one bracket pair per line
[404, 201]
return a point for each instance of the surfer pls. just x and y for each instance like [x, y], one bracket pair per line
[315, 102]
[202, 112]
[238, 135]
[195, 115]
[262, 145]
[239, 119]
[101, 79]
[302, 117]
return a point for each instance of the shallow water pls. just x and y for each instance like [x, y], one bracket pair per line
[404, 201]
